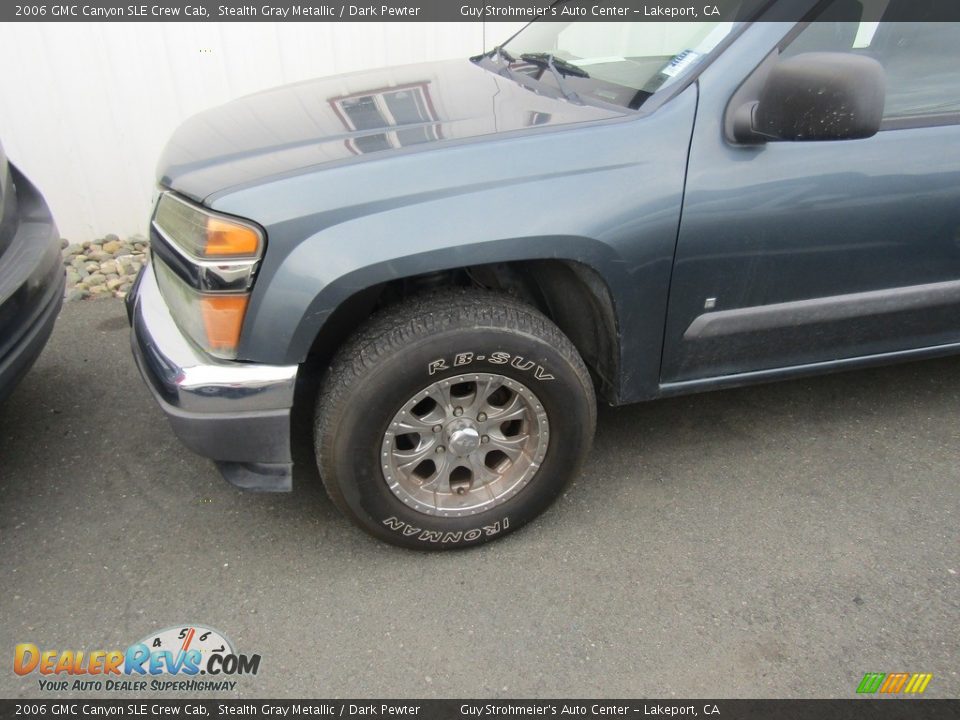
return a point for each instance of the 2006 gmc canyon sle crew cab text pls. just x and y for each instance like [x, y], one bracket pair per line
[464, 255]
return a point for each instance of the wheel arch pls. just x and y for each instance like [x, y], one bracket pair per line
[572, 293]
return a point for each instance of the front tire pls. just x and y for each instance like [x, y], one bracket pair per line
[452, 419]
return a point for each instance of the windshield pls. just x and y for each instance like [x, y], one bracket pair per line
[622, 63]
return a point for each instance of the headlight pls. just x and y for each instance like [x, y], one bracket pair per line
[205, 264]
[212, 320]
[205, 235]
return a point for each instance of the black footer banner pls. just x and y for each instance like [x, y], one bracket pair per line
[871, 709]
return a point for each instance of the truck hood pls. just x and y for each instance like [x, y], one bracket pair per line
[352, 118]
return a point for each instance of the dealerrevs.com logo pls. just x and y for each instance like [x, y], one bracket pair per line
[188, 657]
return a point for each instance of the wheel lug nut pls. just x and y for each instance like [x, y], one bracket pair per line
[440, 449]
[458, 411]
[437, 428]
[485, 439]
[481, 417]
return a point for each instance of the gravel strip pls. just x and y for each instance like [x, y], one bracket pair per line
[103, 268]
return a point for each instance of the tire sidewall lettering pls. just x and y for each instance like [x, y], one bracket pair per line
[463, 359]
[447, 537]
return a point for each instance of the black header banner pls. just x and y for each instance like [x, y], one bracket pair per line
[464, 10]
[854, 709]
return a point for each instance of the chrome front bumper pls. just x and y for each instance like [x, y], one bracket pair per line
[235, 413]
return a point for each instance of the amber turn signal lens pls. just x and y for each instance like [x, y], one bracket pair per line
[225, 238]
[222, 320]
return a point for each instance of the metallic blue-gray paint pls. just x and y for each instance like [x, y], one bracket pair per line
[659, 203]
[601, 188]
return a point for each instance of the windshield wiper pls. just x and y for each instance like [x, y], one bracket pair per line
[558, 68]
[549, 60]
[501, 54]
[504, 59]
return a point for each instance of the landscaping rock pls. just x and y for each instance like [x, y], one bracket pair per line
[74, 294]
[103, 268]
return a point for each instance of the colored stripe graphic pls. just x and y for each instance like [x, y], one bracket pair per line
[894, 683]
[909, 683]
[918, 683]
[871, 683]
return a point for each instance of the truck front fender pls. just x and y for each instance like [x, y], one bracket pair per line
[606, 195]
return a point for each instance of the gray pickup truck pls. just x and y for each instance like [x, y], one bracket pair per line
[447, 264]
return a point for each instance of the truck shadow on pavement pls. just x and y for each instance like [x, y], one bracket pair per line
[82, 422]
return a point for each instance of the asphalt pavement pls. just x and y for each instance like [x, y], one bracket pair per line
[775, 541]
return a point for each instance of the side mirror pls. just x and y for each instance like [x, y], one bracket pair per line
[816, 96]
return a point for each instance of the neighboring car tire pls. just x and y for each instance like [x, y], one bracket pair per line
[452, 418]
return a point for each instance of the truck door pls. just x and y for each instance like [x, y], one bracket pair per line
[794, 254]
